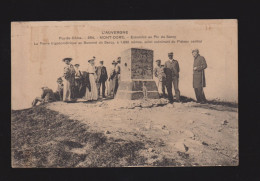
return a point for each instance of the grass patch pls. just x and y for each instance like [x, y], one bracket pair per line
[44, 138]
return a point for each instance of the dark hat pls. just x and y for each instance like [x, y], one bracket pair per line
[101, 61]
[170, 53]
[195, 50]
[114, 62]
[91, 60]
[66, 59]
[157, 60]
[76, 64]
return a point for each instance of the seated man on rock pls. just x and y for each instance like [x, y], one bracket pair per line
[46, 96]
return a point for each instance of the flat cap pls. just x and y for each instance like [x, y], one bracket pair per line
[195, 50]
[157, 60]
[170, 53]
[76, 64]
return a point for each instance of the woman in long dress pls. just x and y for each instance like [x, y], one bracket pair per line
[91, 92]
[69, 81]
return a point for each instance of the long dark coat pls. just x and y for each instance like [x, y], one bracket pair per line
[199, 74]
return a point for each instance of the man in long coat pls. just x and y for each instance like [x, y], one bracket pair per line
[101, 78]
[172, 69]
[199, 76]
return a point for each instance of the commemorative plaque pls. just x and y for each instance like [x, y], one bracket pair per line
[137, 75]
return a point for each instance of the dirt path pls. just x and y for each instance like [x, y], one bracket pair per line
[179, 134]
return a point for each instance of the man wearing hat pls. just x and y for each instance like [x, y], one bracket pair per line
[172, 70]
[101, 78]
[161, 77]
[69, 81]
[112, 80]
[199, 76]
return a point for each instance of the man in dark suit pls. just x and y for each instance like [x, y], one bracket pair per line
[172, 70]
[101, 72]
[199, 76]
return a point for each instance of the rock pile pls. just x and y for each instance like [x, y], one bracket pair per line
[132, 104]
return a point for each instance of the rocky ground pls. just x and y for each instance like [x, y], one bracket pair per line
[114, 133]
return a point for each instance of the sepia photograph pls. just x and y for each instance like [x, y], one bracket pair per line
[124, 93]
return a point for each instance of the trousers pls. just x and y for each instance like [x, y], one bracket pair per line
[200, 96]
[175, 82]
[161, 87]
[103, 84]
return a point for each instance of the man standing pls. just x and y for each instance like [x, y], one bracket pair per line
[118, 71]
[199, 76]
[69, 81]
[101, 78]
[172, 70]
[160, 75]
[112, 80]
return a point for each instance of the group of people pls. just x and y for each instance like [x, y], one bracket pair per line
[75, 84]
[168, 75]
[86, 84]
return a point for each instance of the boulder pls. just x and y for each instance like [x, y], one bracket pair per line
[224, 122]
[150, 150]
[181, 146]
[107, 132]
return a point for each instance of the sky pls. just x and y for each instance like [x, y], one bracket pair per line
[34, 66]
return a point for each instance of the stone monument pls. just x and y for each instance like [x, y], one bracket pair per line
[136, 80]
